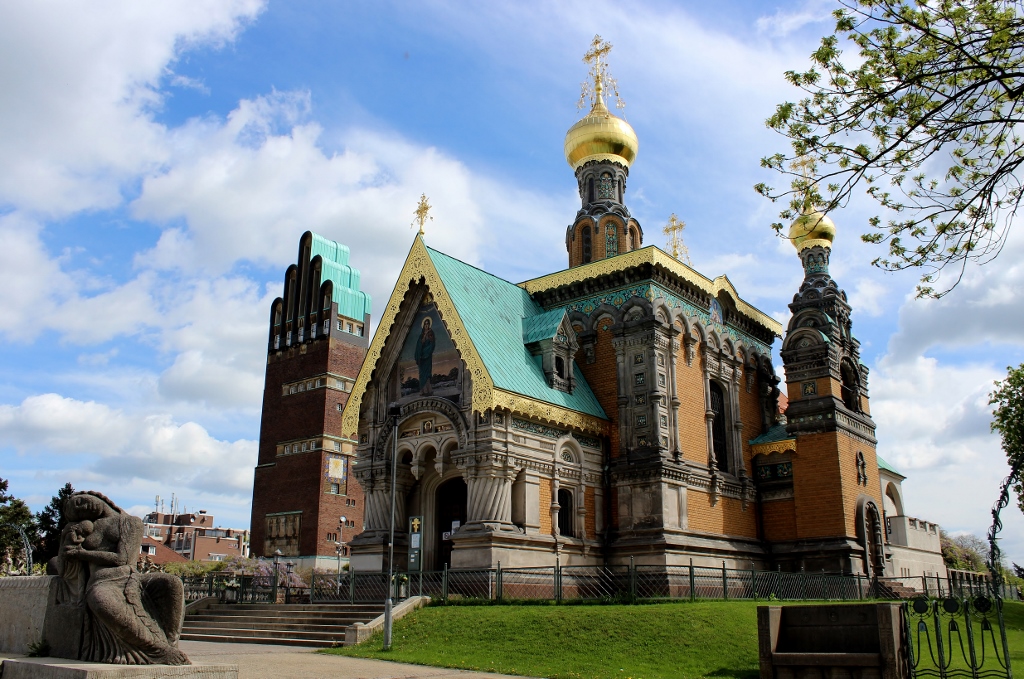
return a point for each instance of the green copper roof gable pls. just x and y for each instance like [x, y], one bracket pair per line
[776, 433]
[882, 464]
[493, 312]
[352, 302]
[543, 326]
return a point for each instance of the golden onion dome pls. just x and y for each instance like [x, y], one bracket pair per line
[812, 228]
[600, 136]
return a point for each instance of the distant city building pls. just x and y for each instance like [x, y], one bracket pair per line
[194, 536]
[317, 339]
[153, 551]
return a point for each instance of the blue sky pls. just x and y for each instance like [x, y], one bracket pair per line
[161, 160]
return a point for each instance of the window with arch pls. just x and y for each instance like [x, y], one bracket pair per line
[560, 367]
[565, 512]
[605, 187]
[587, 246]
[719, 441]
[851, 395]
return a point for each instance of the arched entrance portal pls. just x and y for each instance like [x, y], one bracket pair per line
[450, 513]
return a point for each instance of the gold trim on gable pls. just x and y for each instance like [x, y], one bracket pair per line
[418, 265]
[773, 447]
[485, 397]
[655, 256]
[548, 412]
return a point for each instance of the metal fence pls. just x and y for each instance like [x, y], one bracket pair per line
[625, 583]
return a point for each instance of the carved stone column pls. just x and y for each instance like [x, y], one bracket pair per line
[488, 490]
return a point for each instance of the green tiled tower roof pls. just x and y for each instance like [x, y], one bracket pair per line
[496, 315]
[352, 302]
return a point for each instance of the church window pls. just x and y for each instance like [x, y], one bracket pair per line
[629, 240]
[560, 367]
[641, 420]
[336, 489]
[851, 397]
[587, 249]
[611, 241]
[640, 379]
[565, 512]
[327, 326]
[605, 188]
[288, 338]
[349, 328]
[590, 190]
[277, 341]
[718, 436]
[341, 325]
[337, 445]
[359, 330]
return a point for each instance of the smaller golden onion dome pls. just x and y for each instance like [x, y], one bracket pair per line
[812, 228]
[600, 136]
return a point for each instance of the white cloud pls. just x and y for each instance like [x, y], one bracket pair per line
[785, 22]
[119, 448]
[80, 85]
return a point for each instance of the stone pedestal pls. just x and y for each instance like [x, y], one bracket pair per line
[23, 611]
[58, 668]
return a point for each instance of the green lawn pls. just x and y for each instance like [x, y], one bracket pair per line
[678, 640]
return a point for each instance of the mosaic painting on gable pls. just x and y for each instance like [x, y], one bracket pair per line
[429, 365]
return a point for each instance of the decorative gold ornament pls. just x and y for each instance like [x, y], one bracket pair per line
[600, 135]
[783, 446]
[422, 213]
[656, 257]
[812, 227]
[675, 243]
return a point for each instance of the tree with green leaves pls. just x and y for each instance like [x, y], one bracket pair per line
[51, 522]
[14, 514]
[1008, 420]
[924, 117]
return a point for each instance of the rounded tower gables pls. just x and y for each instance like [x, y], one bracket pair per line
[600, 149]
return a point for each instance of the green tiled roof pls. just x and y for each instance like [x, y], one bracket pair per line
[493, 312]
[882, 464]
[776, 433]
[542, 327]
[352, 302]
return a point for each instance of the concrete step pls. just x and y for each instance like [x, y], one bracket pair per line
[300, 607]
[266, 634]
[354, 616]
[260, 624]
[221, 638]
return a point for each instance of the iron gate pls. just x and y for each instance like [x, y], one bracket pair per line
[956, 638]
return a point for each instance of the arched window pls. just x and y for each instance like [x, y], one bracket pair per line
[590, 190]
[851, 398]
[560, 367]
[587, 249]
[611, 241]
[718, 437]
[565, 510]
[605, 188]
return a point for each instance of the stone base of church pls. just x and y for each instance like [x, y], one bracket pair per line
[832, 555]
[680, 548]
[57, 668]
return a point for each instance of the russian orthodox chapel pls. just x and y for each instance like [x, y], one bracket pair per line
[625, 407]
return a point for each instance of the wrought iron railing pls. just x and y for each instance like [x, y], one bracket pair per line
[956, 638]
[626, 583]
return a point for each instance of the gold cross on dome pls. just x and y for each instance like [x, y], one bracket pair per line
[422, 213]
[679, 250]
[599, 76]
[806, 165]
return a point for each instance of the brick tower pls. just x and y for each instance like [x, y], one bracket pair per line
[317, 341]
[836, 491]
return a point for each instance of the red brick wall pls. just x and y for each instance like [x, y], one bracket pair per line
[297, 482]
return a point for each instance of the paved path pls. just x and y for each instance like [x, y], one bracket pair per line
[257, 661]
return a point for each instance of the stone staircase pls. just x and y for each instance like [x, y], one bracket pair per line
[314, 625]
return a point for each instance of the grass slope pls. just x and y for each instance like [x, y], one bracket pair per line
[678, 640]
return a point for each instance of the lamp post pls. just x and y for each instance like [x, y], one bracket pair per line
[395, 413]
[289, 569]
[339, 547]
[277, 564]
